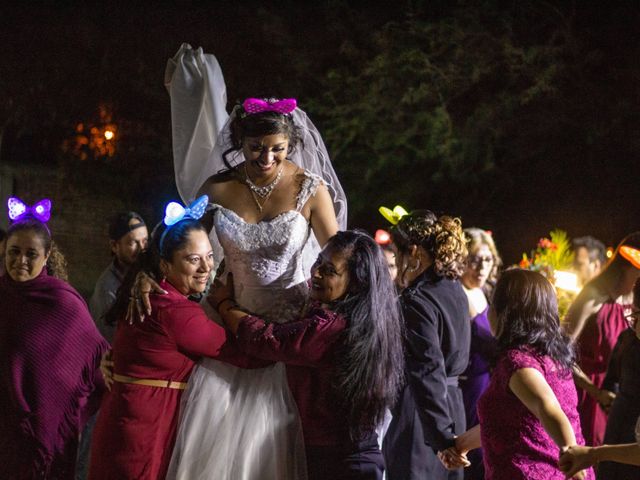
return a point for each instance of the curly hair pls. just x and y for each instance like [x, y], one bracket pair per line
[441, 237]
[246, 125]
[56, 264]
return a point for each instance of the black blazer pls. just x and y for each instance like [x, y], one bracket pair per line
[430, 411]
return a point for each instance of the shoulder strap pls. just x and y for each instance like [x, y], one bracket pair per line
[307, 189]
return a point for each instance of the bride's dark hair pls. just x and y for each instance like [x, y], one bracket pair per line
[370, 364]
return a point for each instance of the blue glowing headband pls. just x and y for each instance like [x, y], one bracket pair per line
[174, 213]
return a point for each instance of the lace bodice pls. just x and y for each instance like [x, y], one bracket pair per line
[266, 257]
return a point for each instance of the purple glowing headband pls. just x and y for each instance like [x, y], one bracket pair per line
[256, 105]
[18, 210]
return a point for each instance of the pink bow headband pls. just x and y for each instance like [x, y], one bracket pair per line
[256, 105]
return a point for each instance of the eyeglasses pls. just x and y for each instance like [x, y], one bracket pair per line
[325, 269]
[475, 261]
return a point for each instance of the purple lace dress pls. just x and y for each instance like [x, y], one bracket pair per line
[515, 444]
[475, 380]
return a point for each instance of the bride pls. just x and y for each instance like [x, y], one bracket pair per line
[275, 198]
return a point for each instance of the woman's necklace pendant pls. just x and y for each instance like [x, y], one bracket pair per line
[265, 190]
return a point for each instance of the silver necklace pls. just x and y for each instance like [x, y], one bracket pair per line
[264, 190]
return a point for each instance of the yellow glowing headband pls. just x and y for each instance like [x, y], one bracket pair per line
[393, 216]
[631, 254]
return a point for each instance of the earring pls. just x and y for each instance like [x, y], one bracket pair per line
[416, 267]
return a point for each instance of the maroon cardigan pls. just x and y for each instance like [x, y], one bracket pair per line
[308, 348]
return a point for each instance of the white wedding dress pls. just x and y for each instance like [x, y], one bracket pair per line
[243, 424]
[240, 424]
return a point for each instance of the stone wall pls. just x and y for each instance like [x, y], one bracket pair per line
[78, 221]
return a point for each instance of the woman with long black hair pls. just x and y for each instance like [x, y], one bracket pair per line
[343, 355]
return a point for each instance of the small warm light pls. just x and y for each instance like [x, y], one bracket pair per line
[609, 252]
[566, 281]
[383, 237]
[108, 134]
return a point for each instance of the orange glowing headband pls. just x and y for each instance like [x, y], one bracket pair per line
[631, 254]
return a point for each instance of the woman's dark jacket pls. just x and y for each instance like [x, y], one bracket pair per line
[430, 410]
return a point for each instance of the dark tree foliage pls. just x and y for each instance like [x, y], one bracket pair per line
[507, 116]
[518, 116]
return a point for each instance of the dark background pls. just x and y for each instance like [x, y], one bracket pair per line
[519, 117]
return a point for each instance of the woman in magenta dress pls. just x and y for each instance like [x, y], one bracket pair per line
[594, 321]
[136, 427]
[478, 278]
[528, 413]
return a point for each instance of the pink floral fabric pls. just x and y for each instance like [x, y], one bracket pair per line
[514, 442]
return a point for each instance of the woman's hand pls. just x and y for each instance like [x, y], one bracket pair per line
[106, 368]
[139, 302]
[219, 292]
[605, 398]
[574, 460]
[452, 459]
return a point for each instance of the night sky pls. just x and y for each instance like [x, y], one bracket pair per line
[567, 160]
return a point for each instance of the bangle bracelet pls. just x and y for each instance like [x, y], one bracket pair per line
[231, 306]
[222, 301]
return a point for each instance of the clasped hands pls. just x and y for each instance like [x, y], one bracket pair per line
[454, 457]
[572, 462]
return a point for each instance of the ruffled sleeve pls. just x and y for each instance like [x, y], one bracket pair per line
[517, 359]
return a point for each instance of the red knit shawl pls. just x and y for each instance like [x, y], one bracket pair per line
[50, 352]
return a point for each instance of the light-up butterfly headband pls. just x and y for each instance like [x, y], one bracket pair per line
[395, 215]
[174, 213]
[632, 255]
[18, 210]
